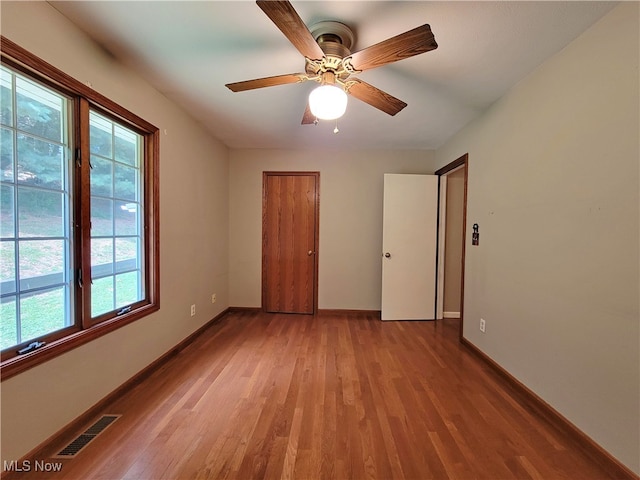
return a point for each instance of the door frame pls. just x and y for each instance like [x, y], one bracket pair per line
[316, 201]
[462, 161]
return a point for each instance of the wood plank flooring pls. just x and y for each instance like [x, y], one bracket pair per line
[327, 396]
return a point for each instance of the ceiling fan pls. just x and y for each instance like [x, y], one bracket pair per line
[329, 61]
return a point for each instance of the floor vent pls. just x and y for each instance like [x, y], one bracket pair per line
[86, 437]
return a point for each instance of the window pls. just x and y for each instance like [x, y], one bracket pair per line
[34, 202]
[116, 216]
[78, 210]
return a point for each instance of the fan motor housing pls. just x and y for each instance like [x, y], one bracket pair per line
[335, 39]
[333, 48]
[333, 31]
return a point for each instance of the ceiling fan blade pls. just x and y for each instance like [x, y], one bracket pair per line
[266, 82]
[375, 97]
[414, 42]
[289, 22]
[308, 118]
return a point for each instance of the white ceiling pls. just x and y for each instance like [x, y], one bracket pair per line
[190, 50]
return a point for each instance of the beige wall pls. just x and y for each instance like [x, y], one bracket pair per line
[350, 267]
[453, 241]
[193, 240]
[554, 186]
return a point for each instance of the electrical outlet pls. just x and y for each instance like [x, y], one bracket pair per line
[193, 310]
[213, 298]
[483, 325]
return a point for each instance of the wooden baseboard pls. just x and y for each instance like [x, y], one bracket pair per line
[69, 431]
[554, 418]
[244, 309]
[451, 314]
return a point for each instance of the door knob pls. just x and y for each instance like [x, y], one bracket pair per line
[310, 252]
[388, 255]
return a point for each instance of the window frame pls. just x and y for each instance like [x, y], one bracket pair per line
[83, 99]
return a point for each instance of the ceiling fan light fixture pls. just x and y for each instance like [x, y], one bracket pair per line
[328, 102]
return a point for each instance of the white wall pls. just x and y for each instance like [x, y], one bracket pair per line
[350, 252]
[193, 240]
[554, 187]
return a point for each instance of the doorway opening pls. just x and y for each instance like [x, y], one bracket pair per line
[452, 220]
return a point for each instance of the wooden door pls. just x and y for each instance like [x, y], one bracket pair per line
[409, 243]
[290, 206]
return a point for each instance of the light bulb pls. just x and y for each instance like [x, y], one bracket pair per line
[328, 102]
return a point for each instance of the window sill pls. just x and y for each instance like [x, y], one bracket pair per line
[18, 364]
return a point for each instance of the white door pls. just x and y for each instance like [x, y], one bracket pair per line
[409, 247]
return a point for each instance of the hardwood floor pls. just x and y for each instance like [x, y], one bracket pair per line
[327, 396]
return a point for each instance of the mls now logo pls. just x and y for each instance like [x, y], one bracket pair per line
[27, 466]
